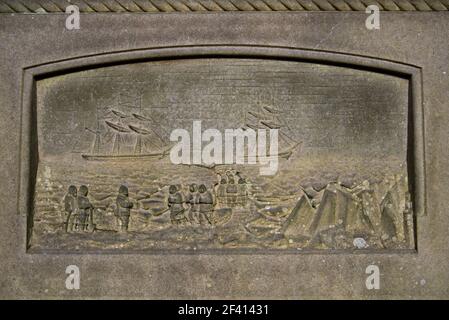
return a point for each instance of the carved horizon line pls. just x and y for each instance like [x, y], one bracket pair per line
[186, 6]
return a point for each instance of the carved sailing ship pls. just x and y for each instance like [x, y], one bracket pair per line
[144, 135]
[271, 118]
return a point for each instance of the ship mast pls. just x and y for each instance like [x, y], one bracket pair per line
[96, 145]
[157, 143]
[116, 145]
[95, 149]
[118, 129]
[138, 146]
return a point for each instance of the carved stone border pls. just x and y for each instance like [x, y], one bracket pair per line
[155, 6]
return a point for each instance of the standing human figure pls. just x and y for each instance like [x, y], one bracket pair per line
[231, 191]
[192, 202]
[85, 208]
[175, 202]
[123, 210]
[70, 206]
[242, 192]
[221, 192]
[206, 201]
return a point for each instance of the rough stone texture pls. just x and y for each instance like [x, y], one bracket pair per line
[416, 39]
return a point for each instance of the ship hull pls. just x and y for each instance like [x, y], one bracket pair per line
[123, 157]
[284, 154]
[158, 156]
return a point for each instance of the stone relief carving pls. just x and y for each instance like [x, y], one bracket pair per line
[105, 181]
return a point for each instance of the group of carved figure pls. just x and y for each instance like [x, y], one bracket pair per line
[80, 211]
[230, 193]
[198, 204]
[196, 207]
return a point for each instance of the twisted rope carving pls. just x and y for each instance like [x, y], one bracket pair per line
[103, 6]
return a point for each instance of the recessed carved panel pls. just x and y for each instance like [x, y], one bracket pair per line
[105, 180]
